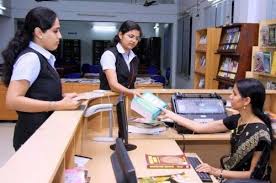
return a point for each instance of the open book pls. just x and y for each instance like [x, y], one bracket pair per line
[167, 161]
[149, 106]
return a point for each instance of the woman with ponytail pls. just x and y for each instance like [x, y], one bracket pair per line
[251, 139]
[34, 87]
[119, 63]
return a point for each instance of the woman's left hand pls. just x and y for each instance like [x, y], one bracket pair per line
[204, 167]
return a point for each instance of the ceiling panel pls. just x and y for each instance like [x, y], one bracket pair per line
[129, 1]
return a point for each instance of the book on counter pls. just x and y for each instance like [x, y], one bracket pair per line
[167, 161]
[176, 178]
[149, 106]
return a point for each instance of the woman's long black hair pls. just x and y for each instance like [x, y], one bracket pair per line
[256, 91]
[125, 27]
[41, 17]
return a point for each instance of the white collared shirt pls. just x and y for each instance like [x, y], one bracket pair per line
[108, 59]
[27, 66]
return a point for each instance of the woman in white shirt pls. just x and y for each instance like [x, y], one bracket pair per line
[119, 63]
[34, 86]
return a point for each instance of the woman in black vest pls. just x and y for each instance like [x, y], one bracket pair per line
[119, 63]
[34, 87]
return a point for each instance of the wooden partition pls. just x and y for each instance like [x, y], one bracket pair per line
[49, 151]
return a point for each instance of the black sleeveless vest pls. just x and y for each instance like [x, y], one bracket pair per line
[46, 87]
[125, 77]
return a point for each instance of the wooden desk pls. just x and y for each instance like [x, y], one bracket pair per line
[101, 169]
[209, 147]
[201, 144]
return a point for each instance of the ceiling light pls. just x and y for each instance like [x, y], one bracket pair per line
[101, 28]
[2, 7]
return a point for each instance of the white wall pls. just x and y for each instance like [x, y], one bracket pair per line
[6, 33]
[251, 11]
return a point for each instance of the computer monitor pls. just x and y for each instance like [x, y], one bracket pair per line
[122, 124]
[122, 166]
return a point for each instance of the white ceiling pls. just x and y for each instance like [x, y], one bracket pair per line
[129, 1]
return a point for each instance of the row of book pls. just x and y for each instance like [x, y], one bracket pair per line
[265, 62]
[230, 39]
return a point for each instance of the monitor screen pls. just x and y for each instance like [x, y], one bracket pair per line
[122, 166]
[200, 106]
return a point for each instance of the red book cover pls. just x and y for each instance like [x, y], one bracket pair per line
[167, 161]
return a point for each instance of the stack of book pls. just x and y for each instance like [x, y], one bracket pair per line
[143, 126]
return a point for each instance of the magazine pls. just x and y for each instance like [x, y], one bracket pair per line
[167, 161]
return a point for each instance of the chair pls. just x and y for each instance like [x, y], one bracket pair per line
[93, 71]
[152, 70]
[168, 74]
[159, 79]
[95, 109]
[73, 75]
[85, 68]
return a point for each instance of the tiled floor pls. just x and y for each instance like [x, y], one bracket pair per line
[6, 148]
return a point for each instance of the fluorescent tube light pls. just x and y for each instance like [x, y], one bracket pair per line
[101, 28]
[2, 7]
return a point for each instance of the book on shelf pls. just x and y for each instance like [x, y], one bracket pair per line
[229, 65]
[272, 35]
[267, 62]
[203, 39]
[202, 62]
[226, 75]
[264, 35]
[259, 61]
[167, 161]
[273, 65]
[201, 83]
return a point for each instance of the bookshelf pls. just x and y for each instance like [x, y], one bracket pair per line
[206, 61]
[263, 58]
[235, 51]
[68, 56]
[99, 46]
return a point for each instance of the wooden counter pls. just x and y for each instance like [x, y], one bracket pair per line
[51, 149]
[48, 152]
[9, 115]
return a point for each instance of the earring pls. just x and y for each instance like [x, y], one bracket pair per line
[244, 107]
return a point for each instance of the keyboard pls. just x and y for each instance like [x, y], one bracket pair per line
[205, 177]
